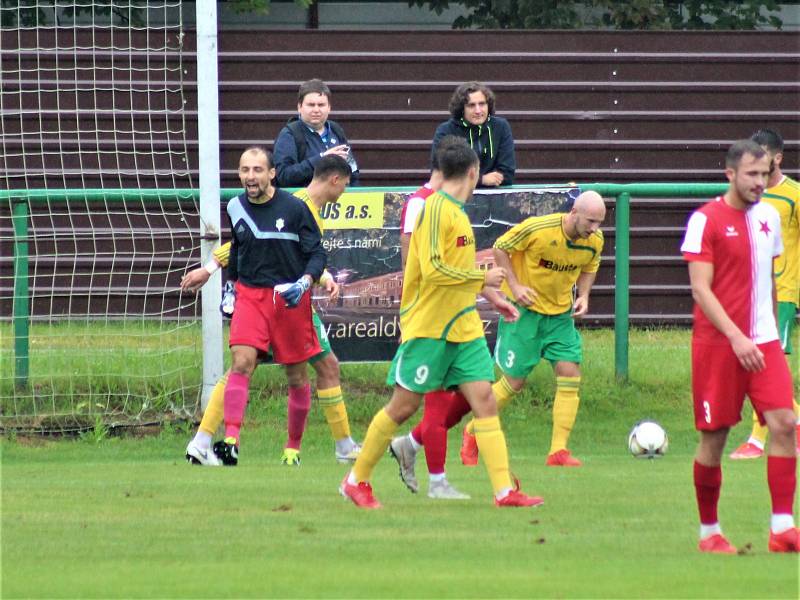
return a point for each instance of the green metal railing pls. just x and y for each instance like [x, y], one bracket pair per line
[20, 200]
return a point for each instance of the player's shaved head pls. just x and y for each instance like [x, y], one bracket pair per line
[586, 215]
[590, 202]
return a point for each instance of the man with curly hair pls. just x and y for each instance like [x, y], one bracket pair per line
[472, 112]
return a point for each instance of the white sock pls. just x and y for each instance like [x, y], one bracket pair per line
[436, 477]
[202, 439]
[351, 479]
[414, 443]
[344, 445]
[709, 530]
[780, 523]
[757, 443]
[503, 493]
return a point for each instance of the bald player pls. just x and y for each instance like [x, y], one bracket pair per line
[551, 262]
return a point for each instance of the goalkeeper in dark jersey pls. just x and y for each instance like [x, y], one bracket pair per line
[276, 254]
[331, 176]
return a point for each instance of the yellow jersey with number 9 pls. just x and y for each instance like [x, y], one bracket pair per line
[440, 280]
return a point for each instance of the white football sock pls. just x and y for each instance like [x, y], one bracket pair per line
[202, 439]
[709, 530]
[503, 493]
[780, 523]
[345, 445]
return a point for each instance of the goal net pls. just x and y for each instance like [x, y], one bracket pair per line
[98, 220]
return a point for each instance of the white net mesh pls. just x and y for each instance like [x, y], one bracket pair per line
[94, 161]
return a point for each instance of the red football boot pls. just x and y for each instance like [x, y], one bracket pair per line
[786, 541]
[360, 494]
[716, 544]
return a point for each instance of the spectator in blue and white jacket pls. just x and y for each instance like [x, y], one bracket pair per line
[473, 118]
[308, 137]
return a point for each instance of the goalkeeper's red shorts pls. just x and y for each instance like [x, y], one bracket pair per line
[720, 383]
[262, 320]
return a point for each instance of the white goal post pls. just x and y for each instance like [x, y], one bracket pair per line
[99, 219]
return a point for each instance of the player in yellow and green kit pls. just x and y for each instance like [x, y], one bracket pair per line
[784, 194]
[442, 344]
[546, 257]
[330, 179]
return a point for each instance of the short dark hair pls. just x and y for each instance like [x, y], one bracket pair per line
[331, 164]
[256, 149]
[769, 138]
[461, 96]
[446, 142]
[739, 149]
[455, 160]
[313, 86]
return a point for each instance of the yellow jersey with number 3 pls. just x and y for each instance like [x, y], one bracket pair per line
[440, 279]
[785, 198]
[547, 261]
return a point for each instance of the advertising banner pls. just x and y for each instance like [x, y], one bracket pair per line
[362, 237]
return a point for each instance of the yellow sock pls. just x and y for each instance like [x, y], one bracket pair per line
[759, 431]
[215, 411]
[565, 409]
[503, 393]
[330, 400]
[492, 447]
[379, 434]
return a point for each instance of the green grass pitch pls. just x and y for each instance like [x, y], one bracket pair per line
[110, 517]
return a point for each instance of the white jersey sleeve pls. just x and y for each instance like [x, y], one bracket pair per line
[693, 241]
[413, 208]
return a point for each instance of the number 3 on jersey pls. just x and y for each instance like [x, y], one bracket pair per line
[421, 375]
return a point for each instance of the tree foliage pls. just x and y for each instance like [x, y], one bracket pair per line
[31, 13]
[260, 6]
[616, 14]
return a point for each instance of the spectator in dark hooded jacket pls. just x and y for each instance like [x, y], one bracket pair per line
[473, 118]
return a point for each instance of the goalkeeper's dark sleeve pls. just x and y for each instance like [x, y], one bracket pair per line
[233, 256]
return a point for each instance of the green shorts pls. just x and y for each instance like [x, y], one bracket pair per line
[787, 317]
[423, 364]
[520, 345]
[322, 335]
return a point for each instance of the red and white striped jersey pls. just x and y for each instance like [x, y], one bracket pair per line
[741, 244]
[412, 207]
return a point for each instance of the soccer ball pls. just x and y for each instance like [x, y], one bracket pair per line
[648, 440]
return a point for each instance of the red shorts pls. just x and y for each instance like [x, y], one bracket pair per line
[720, 383]
[262, 320]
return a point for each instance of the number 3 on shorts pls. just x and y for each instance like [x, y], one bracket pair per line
[510, 356]
[422, 374]
[707, 411]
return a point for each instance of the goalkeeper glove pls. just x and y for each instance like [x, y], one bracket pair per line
[228, 300]
[293, 292]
